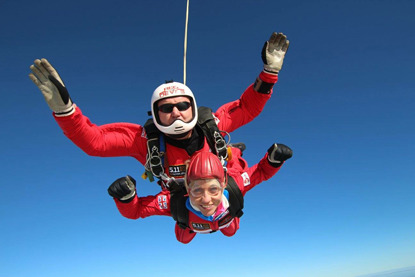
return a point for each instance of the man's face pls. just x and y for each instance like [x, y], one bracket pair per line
[206, 195]
[178, 111]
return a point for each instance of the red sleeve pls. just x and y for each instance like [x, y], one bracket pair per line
[249, 177]
[110, 140]
[238, 113]
[141, 207]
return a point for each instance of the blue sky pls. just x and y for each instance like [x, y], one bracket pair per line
[342, 206]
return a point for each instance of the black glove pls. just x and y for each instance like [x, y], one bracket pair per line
[123, 189]
[278, 153]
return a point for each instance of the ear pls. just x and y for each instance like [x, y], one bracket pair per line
[186, 185]
[224, 183]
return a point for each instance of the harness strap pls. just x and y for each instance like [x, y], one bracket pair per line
[236, 199]
[178, 208]
[155, 156]
[213, 136]
[156, 145]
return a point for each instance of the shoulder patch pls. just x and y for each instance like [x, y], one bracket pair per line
[246, 179]
[217, 120]
[162, 202]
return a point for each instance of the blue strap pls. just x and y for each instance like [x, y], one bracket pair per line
[162, 148]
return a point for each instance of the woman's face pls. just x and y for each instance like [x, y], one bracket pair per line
[206, 195]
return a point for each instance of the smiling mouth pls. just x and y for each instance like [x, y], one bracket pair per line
[206, 207]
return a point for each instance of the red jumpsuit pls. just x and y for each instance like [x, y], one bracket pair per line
[245, 177]
[127, 139]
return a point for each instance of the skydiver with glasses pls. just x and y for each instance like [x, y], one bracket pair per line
[208, 202]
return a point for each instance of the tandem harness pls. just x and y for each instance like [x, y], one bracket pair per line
[156, 145]
[178, 200]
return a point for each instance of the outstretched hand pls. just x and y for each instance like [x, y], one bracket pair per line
[47, 79]
[123, 189]
[274, 51]
[279, 153]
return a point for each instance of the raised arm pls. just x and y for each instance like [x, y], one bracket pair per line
[110, 140]
[237, 113]
[249, 177]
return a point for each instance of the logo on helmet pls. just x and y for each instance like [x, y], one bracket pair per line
[172, 90]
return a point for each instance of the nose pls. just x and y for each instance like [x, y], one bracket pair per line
[175, 112]
[206, 198]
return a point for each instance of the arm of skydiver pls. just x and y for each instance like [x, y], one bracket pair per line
[117, 139]
[108, 140]
[123, 190]
[268, 166]
[237, 113]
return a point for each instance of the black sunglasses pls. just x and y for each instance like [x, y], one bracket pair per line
[168, 108]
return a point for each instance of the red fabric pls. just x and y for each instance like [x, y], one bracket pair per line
[127, 139]
[183, 235]
[141, 207]
[233, 227]
[159, 204]
[239, 170]
[268, 77]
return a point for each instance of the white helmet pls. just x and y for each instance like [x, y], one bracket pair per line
[173, 89]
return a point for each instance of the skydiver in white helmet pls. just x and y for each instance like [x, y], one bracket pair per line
[174, 112]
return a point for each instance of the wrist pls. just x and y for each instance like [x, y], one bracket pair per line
[270, 70]
[268, 77]
[275, 163]
[128, 198]
[262, 86]
[66, 111]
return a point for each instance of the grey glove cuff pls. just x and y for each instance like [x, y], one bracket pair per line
[271, 156]
[128, 197]
[270, 70]
[70, 110]
[274, 163]
[278, 153]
